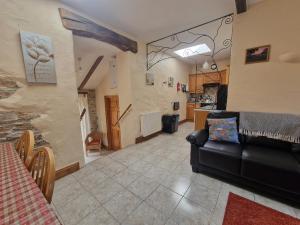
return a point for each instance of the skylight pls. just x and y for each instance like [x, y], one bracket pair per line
[194, 50]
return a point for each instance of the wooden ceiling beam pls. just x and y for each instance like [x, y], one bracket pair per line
[241, 6]
[83, 27]
[90, 73]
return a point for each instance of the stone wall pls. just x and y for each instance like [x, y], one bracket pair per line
[7, 86]
[92, 109]
[14, 123]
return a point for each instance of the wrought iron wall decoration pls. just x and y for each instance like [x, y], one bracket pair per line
[209, 33]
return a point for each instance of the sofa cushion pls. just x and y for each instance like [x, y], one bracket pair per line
[271, 166]
[224, 156]
[226, 148]
[224, 115]
[268, 142]
[295, 147]
[223, 130]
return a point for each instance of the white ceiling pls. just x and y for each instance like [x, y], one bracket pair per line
[86, 51]
[145, 20]
[149, 20]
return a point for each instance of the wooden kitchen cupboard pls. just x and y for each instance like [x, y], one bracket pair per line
[190, 110]
[199, 82]
[221, 77]
[196, 83]
[200, 119]
[211, 78]
[192, 83]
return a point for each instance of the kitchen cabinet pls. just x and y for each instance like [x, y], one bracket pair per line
[196, 83]
[210, 78]
[192, 83]
[225, 76]
[190, 107]
[199, 86]
[200, 119]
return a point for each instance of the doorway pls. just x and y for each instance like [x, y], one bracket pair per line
[112, 111]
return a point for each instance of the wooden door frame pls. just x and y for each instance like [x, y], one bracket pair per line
[107, 115]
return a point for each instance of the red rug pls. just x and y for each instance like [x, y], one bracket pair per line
[241, 211]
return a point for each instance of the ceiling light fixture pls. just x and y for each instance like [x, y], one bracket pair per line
[194, 50]
[205, 65]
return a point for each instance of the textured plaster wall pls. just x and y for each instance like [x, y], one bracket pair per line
[158, 97]
[56, 105]
[132, 89]
[270, 86]
[124, 90]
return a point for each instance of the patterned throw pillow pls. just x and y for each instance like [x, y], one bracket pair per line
[223, 130]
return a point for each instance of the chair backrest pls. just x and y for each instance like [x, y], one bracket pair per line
[94, 135]
[24, 146]
[42, 170]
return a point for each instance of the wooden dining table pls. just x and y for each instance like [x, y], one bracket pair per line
[21, 201]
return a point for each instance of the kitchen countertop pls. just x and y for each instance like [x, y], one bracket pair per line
[211, 110]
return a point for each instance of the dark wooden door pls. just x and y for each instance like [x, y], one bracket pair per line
[112, 116]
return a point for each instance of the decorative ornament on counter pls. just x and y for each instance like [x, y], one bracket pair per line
[38, 58]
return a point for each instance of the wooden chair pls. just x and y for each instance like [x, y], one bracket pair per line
[24, 146]
[42, 170]
[93, 141]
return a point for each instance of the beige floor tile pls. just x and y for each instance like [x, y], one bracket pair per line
[64, 182]
[164, 200]
[143, 187]
[93, 179]
[126, 177]
[145, 215]
[190, 213]
[108, 189]
[204, 196]
[206, 181]
[113, 168]
[67, 193]
[177, 183]
[122, 205]
[158, 174]
[140, 167]
[75, 210]
[98, 217]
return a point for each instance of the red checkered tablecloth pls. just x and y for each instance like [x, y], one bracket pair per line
[21, 201]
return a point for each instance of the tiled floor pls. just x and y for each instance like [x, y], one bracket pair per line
[150, 183]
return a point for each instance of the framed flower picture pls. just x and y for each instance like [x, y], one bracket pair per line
[38, 58]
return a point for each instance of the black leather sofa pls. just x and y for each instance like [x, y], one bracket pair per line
[263, 164]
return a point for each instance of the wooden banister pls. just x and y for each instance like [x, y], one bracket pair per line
[123, 114]
[82, 113]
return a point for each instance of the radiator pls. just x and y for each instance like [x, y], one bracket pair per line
[150, 123]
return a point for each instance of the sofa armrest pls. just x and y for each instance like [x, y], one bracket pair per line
[198, 137]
